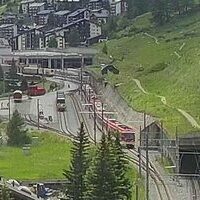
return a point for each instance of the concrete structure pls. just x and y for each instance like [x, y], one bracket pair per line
[25, 5]
[99, 16]
[61, 17]
[78, 14]
[5, 49]
[50, 59]
[34, 8]
[118, 7]
[42, 17]
[95, 4]
[8, 30]
[95, 30]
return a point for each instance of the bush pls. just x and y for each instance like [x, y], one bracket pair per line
[158, 67]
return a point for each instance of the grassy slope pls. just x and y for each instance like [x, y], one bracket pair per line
[46, 161]
[178, 82]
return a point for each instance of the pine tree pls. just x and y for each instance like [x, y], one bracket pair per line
[24, 84]
[101, 179]
[119, 165]
[5, 193]
[80, 162]
[16, 131]
[105, 49]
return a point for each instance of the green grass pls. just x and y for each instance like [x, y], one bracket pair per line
[46, 160]
[160, 71]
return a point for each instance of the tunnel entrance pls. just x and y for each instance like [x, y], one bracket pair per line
[189, 161]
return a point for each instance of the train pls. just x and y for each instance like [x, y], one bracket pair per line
[35, 90]
[34, 70]
[127, 133]
[60, 101]
[17, 96]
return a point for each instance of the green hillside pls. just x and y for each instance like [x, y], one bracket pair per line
[166, 60]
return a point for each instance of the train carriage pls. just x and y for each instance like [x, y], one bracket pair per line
[17, 96]
[127, 134]
[60, 101]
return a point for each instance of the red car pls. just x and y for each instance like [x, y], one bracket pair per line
[36, 90]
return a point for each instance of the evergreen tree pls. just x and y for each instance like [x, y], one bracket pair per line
[5, 193]
[101, 179]
[119, 165]
[16, 132]
[73, 38]
[24, 84]
[105, 49]
[1, 73]
[80, 162]
[13, 69]
[53, 43]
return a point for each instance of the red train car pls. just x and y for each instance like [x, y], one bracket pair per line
[35, 90]
[127, 134]
[17, 96]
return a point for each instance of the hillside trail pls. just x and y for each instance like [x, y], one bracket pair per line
[189, 118]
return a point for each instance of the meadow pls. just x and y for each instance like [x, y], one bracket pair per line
[166, 61]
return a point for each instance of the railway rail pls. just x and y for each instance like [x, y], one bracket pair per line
[195, 187]
[66, 132]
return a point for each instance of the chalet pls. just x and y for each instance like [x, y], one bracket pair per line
[78, 14]
[42, 17]
[61, 17]
[8, 30]
[34, 8]
[8, 19]
[25, 6]
[99, 16]
[118, 7]
[95, 4]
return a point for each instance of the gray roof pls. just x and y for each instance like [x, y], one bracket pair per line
[91, 1]
[5, 25]
[101, 15]
[36, 4]
[27, 1]
[77, 12]
[45, 12]
[62, 12]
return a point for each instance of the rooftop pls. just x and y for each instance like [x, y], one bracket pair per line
[36, 4]
[62, 12]
[6, 25]
[27, 1]
[77, 12]
[45, 12]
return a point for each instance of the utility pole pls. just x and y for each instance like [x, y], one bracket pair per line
[102, 115]
[147, 158]
[9, 107]
[162, 142]
[139, 156]
[81, 75]
[177, 153]
[95, 127]
[38, 113]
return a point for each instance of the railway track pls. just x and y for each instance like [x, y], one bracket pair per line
[195, 187]
[66, 132]
[154, 175]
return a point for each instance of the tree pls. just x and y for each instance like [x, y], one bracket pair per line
[1, 73]
[13, 69]
[119, 165]
[101, 179]
[24, 84]
[73, 38]
[16, 132]
[80, 162]
[105, 49]
[5, 193]
[53, 43]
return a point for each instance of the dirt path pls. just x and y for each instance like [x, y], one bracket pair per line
[189, 118]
